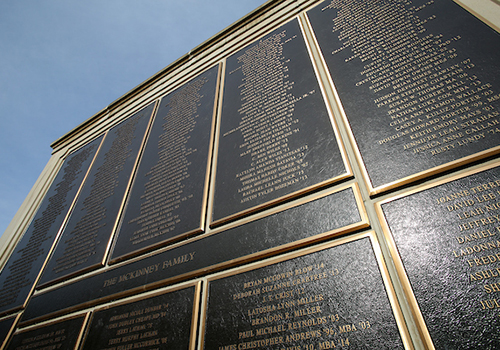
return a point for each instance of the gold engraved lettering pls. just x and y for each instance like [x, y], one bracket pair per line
[166, 188]
[476, 249]
[492, 288]
[138, 273]
[490, 304]
[285, 310]
[150, 269]
[475, 212]
[81, 242]
[267, 121]
[50, 340]
[415, 75]
[136, 329]
[23, 260]
[179, 260]
[476, 236]
[485, 274]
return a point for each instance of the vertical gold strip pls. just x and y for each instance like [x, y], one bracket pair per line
[209, 174]
[130, 182]
[194, 319]
[222, 76]
[391, 293]
[9, 333]
[312, 50]
[203, 314]
[63, 225]
[415, 310]
[365, 221]
[85, 325]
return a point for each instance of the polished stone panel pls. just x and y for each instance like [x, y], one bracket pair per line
[331, 298]
[168, 196]
[25, 263]
[85, 238]
[163, 321]
[419, 82]
[446, 240]
[276, 136]
[314, 220]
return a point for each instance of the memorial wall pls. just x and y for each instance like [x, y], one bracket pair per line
[319, 175]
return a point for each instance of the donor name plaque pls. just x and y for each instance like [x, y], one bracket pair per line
[164, 321]
[418, 80]
[446, 243]
[168, 197]
[64, 334]
[277, 138]
[331, 297]
[85, 239]
[24, 265]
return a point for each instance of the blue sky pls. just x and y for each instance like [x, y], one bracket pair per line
[62, 61]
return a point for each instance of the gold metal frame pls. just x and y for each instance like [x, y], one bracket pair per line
[129, 184]
[493, 25]
[391, 294]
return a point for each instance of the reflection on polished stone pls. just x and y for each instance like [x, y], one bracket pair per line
[276, 136]
[418, 82]
[332, 298]
[447, 240]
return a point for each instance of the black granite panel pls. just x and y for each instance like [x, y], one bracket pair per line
[308, 222]
[61, 335]
[85, 238]
[419, 82]
[168, 198]
[162, 321]
[334, 298]
[276, 136]
[25, 263]
[448, 240]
